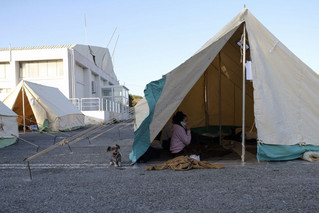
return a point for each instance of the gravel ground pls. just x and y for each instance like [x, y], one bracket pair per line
[81, 180]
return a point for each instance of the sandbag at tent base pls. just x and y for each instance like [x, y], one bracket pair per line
[7, 142]
[266, 152]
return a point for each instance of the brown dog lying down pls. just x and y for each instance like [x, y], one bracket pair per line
[116, 155]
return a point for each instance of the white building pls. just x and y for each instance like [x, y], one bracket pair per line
[81, 72]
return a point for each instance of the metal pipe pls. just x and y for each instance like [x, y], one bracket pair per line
[72, 73]
[23, 109]
[29, 169]
[220, 100]
[111, 39]
[244, 94]
[206, 101]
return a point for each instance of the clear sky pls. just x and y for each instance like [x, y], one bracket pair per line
[155, 36]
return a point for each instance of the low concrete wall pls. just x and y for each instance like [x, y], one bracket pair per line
[100, 117]
[94, 117]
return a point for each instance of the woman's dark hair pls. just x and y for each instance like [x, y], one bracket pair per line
[178, 117]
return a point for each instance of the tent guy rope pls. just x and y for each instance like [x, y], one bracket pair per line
[86, 134]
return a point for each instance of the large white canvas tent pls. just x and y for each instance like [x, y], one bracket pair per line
[44, 106]
[8, 126]
[280, 99]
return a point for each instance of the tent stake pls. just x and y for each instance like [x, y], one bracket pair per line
[244, 94]
[88, 140]
[29, 169]
[69, 147]
[55, 137]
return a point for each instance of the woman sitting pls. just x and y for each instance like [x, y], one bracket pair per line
[181, 134]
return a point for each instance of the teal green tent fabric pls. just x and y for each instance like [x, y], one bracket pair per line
[266, 152]
[152, 93]
[7, 142]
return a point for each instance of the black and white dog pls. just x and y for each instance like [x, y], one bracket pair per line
[116, 155]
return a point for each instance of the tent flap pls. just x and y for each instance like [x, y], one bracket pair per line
[152, 93]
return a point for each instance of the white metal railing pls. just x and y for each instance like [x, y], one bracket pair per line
[90, 104]
[98, 104]
[76, 102]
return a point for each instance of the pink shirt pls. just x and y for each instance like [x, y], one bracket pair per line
[179, 139]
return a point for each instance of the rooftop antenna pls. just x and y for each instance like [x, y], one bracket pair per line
[114, 48]
[86, 37]
[10, 55]
[109, 44]
[111, 38]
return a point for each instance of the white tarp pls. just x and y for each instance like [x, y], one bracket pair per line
[285, 90]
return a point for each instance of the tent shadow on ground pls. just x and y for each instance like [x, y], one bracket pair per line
[209, 149]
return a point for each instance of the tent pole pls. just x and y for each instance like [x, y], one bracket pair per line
[73, 74]
[220, 100]
[23, 110]
[244, 94]
[206, 101]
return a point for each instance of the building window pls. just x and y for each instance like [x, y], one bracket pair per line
[41, 69]
[5, 90]
[4, 68]
[117, 94]
[104, 82]
[93, 87]
[107, 92]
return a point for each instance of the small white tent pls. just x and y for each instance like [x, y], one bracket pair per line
[281, 98]
[44, 106]
[8, 126]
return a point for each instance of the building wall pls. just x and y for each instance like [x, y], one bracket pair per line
[87, 71]
[80, 69]
[80, 83]
[14, 57]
